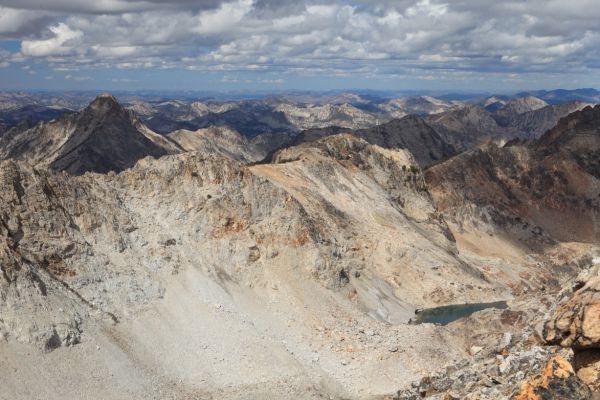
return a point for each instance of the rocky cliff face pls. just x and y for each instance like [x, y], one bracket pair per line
[413, 134]
[575, 137]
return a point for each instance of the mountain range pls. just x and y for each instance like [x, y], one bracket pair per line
[272, 248]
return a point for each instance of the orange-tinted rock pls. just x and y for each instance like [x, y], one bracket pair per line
[556, 381]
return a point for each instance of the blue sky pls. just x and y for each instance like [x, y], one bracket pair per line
[273, 45]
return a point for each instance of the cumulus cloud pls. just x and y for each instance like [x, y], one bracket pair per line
[62, 43]
[424, 38]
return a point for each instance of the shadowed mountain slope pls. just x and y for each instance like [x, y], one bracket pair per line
[102, 137]
[534, 193]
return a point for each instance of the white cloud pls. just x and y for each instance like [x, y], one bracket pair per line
[29, 70]
[59, 45]
[5, 58]
[367, 37]
[223, 18]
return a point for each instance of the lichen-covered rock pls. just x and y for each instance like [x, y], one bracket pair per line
[557, 381]
[576, 323]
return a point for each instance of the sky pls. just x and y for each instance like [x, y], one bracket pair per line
[274, 45]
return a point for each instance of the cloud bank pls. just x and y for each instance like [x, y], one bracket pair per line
[426, 38]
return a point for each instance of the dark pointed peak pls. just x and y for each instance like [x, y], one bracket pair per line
[106, 96]
[105, 99]
[104, 104]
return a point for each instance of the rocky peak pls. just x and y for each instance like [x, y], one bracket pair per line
[524, 104]
[103, 105]
[577, 132]
[411, 133]
[588, 118]
[102, 137]
[506, 115]
[465, 127]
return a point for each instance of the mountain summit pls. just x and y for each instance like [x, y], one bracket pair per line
[102, 137]
[104, 104]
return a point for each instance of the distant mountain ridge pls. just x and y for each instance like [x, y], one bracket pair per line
[432, 129]
[293, 112]
[586, 95]
[411, 133]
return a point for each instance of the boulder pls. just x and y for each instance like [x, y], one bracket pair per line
[576, 323]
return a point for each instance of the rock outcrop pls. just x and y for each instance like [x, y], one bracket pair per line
[587, 365]
[576, 323]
